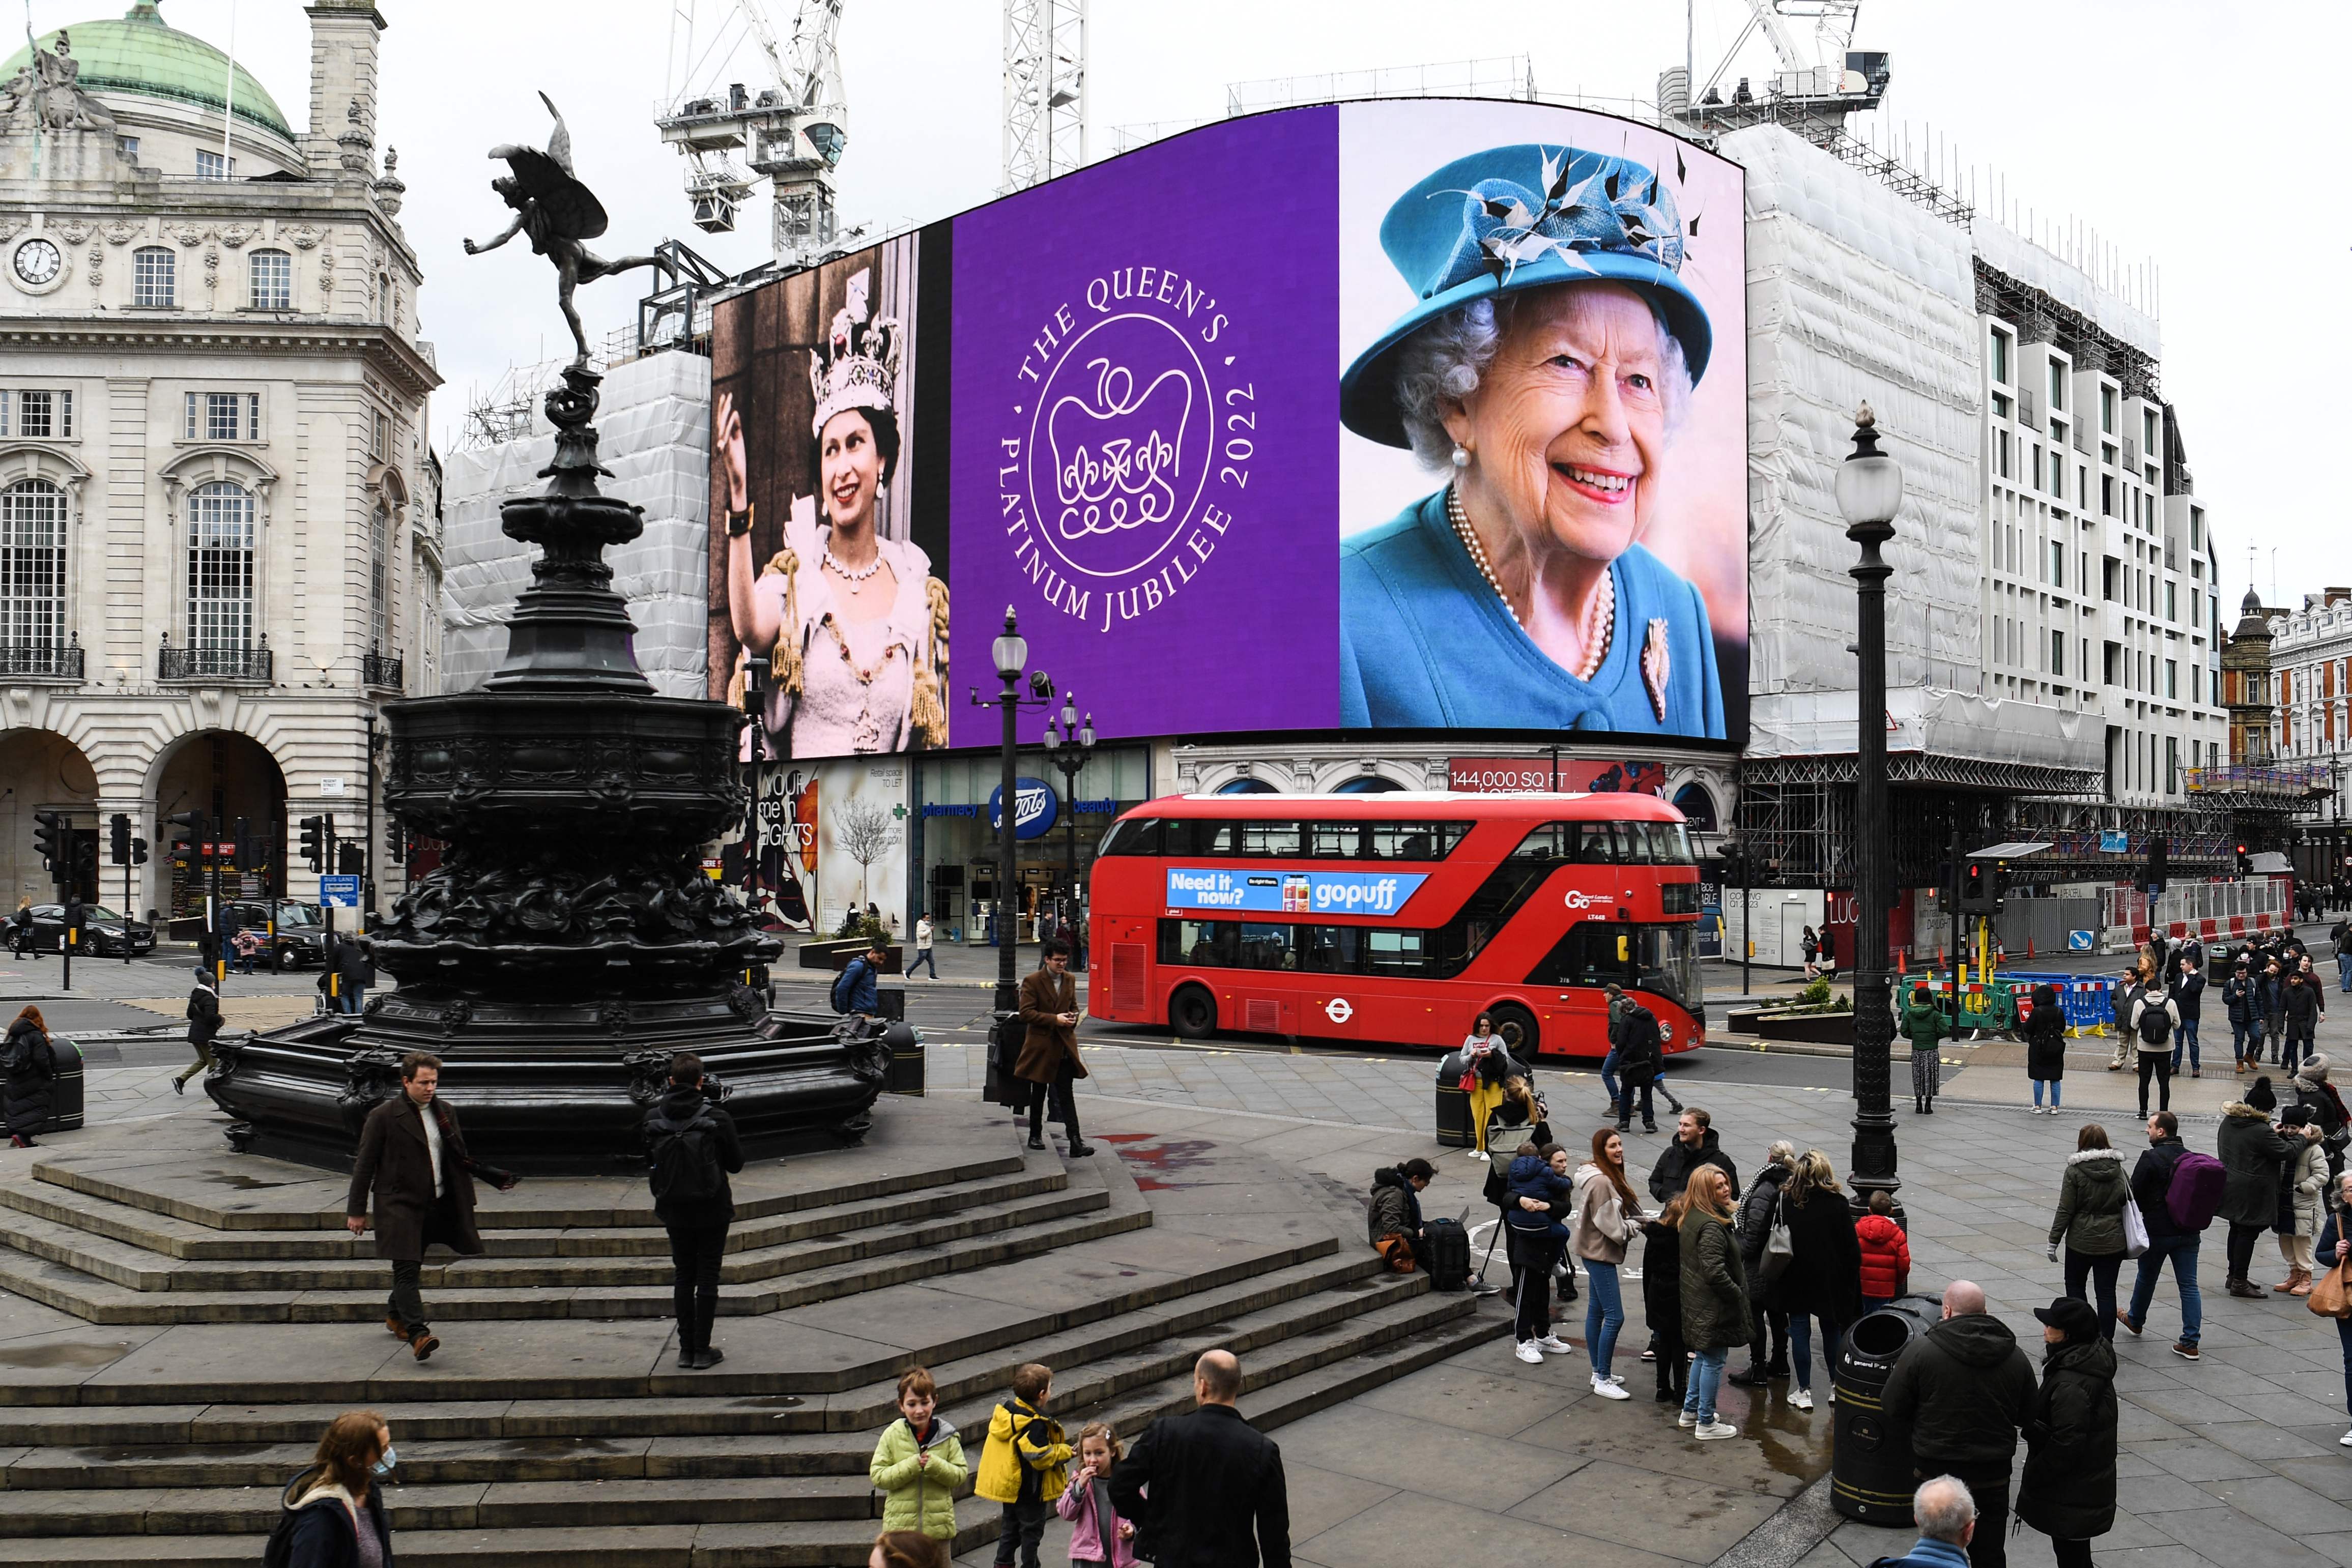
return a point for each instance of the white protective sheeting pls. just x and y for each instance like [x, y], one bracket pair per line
[2007, 251]
[1933, 721]
[1854, 294]
[654, 430]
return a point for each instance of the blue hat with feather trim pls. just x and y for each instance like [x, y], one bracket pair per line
[1521, 217]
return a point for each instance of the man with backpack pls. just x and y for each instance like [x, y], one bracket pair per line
[691, 1150]
[2178, 1191]
[1633, 1039]
[2155, 1016]
[855, 989]
[204, 1024]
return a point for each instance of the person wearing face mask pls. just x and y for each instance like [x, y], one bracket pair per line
[331, 1513]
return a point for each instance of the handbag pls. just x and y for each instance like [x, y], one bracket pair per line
[1778, 1250]
[2331, 1295]
[2134, 1230]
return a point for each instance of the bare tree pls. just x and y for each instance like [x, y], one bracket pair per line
[866, 832]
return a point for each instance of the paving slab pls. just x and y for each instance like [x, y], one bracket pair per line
[1666, 1514]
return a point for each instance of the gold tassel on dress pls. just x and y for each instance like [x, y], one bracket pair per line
[927, 714]
[784, 659]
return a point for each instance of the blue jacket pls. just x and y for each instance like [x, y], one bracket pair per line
[1533, 1178]
[1926, 1553]
[1425, 643]
[865, 995]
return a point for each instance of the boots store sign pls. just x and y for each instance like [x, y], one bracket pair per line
[1035, 809]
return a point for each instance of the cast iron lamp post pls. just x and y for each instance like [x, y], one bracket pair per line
[1869, 494]
[1067, 749]
[1010, 653]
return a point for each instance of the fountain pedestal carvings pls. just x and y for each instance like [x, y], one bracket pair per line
[569, 941]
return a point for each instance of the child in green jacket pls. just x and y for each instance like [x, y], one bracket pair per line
[919, 1464]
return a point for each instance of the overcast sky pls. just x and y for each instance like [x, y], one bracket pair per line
[2180, 130]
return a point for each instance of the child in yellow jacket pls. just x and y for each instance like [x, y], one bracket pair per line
[1024, 1464]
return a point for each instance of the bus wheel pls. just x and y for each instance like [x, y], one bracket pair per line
[1511, 1019]
[1192, 1013]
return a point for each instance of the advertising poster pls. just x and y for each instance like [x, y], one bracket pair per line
[861, 841]
[1409, 415]
[783, 890]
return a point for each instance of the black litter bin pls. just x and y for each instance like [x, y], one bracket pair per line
[890, 1003]
[1870, 1466]
[1452, 1105]
[906, 1074]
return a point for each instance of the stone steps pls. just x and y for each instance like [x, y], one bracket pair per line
[590, 1234]
[899, 1225]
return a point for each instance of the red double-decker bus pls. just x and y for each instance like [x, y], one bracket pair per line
[1397, 917]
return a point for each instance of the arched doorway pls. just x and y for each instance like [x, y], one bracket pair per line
[1697, 805]
[226, 776]
[41, 771]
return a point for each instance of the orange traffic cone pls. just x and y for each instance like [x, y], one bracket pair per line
[1901, 968]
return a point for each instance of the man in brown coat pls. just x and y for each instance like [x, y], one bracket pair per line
[413, 1159]
[1049, 1051]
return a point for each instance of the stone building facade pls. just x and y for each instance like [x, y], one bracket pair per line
[219, 529]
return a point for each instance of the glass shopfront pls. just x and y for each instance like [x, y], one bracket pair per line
[955, 844]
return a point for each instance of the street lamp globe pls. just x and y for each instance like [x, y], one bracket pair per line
[1011, 651]
[1069, 713]
[1869, 483]
[1087, 733]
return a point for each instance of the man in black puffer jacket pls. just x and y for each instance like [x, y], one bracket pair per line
[692, 1148]
[1960, 1392]
[1694, 1145]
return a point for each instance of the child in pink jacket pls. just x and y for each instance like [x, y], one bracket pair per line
[1098, 1537]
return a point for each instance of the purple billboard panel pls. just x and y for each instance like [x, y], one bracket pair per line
[1142, 462]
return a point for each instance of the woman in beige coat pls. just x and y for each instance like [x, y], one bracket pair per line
[1604, 1215]
[2302, 1189]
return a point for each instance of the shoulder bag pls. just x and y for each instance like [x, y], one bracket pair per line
[1779, 1249]
[2331, 1293]
[2134, 1230]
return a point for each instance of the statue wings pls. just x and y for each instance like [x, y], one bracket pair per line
[571, 209]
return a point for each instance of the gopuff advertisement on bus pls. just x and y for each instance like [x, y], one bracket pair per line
[1418, 415]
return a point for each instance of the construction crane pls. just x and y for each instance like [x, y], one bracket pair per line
[1828, 83]
[790, 132]
[1045, 91]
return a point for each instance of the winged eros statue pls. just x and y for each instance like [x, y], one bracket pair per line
[555, 211]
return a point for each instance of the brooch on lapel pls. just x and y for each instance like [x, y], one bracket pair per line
[1656, 667]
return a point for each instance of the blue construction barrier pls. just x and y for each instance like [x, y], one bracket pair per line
[2005, 1001]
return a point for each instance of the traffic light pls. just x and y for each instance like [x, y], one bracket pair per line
[351, 860]
[395, 840]
[49, 839]
[2245, 861]
[188, 830]
[242, 837]
[118, 839]
[315, 833]
[1980, 887]
[86, 854]
[139, 852]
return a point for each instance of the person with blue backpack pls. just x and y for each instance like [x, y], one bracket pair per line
[691, 1148]
[1536, 1239]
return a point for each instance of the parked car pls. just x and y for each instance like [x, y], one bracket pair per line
[103, 932]
[301, 929]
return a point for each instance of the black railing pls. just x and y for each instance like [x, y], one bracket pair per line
[232, 664]
[381, 670]
[47, 660]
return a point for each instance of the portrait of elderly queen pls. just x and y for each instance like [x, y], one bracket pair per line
[1544, 372]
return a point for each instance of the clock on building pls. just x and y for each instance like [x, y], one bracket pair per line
[37, 261]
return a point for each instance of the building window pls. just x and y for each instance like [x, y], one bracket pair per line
[2172, 679]
[213, 166]
[380, 443]
[273, 280]
[2195, 527]
[2147, 432]
[223, 416]
[2057, 565]
[2107, 495]
[2107, 410]
[2000, 453]
[2171, 609]
[151, 277]
[128, 146]
[38, 415]
[32, 565]
[2197, 685]
[378, 582]
[2172, 765]
[2057, 652]
[2057, 383]
[2037, 466]
[220, 566]
[1999, 350]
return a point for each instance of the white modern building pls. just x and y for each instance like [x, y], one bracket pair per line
[219, 532]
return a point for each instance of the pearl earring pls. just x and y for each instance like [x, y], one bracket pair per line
[1460, 456]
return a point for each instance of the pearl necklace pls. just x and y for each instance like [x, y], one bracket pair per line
[871, 567]
[1599, 620]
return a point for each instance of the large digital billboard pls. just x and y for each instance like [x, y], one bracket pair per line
[1409, 415]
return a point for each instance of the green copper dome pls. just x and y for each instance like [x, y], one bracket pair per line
[139, 55]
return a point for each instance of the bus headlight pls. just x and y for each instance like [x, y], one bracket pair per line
[1666, 1034]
